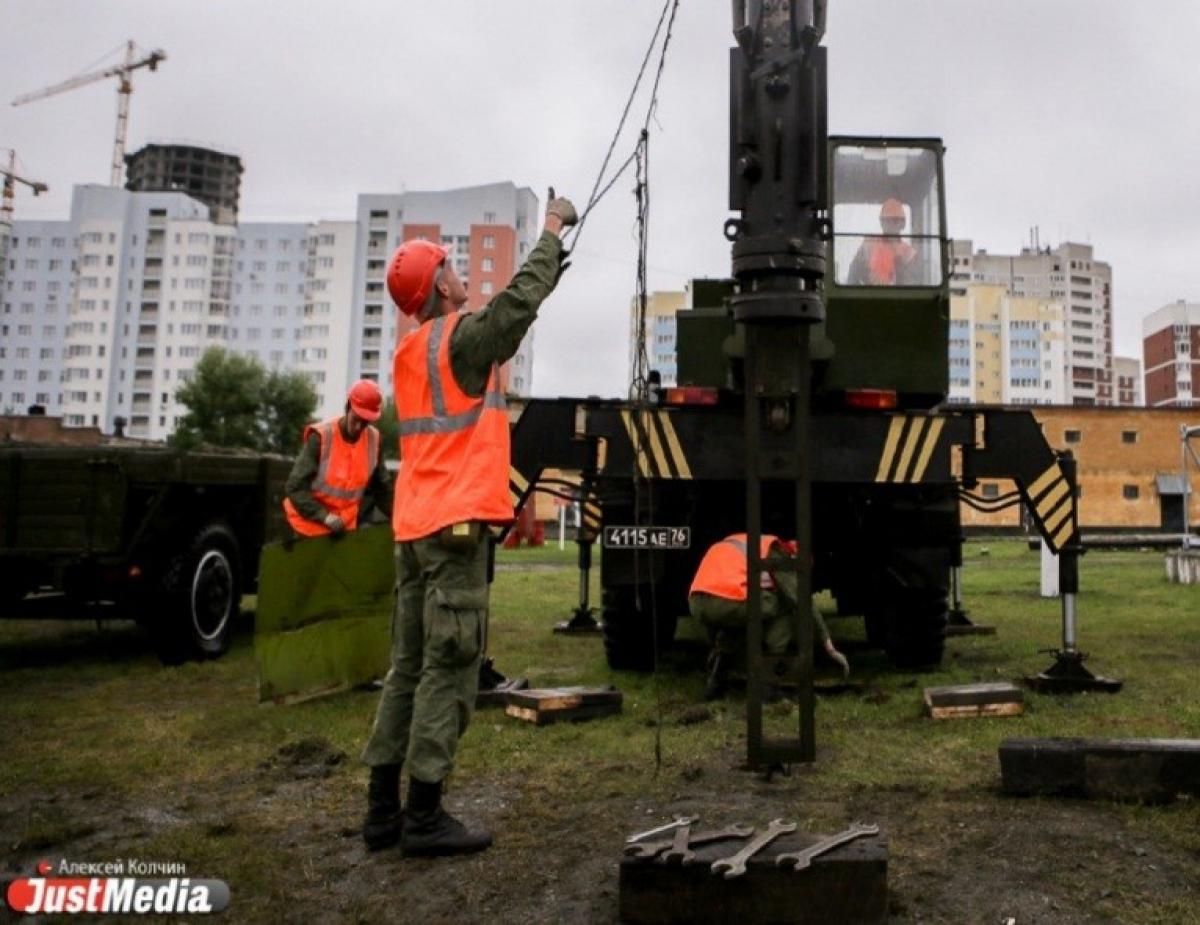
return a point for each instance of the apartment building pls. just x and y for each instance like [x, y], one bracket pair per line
[489, 230]
[105, 314]
[327, 333]
[213, 177]
[266, 311]
[1127, 373]
[1171, 354]
[35, 306]
[1070, 274]
[1006, 349]
[660, 332]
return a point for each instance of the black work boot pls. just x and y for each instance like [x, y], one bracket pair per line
[715, 683]
[385, 819]
[429, 830]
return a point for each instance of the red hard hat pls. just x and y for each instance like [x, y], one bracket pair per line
[892, 208]
[410, 273]
[366, 400]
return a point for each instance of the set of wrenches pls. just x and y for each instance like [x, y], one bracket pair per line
[678, 848]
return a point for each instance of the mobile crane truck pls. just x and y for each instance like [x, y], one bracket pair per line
[827, 352]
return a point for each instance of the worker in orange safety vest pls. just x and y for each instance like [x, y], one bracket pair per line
[717, 599]
[886, 259]
[340, 469]
[453, 483]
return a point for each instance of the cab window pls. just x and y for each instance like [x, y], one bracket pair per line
[886, 216]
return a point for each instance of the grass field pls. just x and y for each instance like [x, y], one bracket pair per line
[108, 754]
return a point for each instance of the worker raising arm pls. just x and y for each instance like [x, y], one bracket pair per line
[454, 469]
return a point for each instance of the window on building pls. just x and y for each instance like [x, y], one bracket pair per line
[489, 241]
[1129, 436]
[1072, 436]
[1129, 492]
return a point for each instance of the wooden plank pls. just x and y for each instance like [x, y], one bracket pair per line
[847, 885]
[1141, 770]
[968, 711]
[548, 705]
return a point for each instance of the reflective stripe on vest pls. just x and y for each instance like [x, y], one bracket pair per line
[353, 474]
[321, 485]
[722, 571]
[454, 446]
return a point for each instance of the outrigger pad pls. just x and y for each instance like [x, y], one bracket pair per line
[1145, 770]
[1068, 675]
[848, 884]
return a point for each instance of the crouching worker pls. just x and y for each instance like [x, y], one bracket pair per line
[453, 482]
[340, 470]
[717, 599]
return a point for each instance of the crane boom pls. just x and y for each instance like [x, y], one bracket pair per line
[11, 179]
[124, 89]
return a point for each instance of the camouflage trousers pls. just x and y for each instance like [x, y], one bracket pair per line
[725, 621]
[438, 634]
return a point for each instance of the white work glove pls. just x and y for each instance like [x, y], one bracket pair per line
[335, 523]
[562, 208]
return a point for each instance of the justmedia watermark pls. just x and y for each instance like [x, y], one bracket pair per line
[127, 886]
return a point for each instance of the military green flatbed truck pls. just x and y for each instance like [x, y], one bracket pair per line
[165, 537]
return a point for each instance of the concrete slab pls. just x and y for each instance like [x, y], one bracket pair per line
[1141, 770]
[849, 884]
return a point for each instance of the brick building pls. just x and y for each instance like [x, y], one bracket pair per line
[1171, 352]
[1129, 468]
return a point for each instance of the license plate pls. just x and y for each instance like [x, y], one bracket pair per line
[647, 537]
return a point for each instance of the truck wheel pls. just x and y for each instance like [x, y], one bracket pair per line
[910, 625]
[629, 635]
[201, 590]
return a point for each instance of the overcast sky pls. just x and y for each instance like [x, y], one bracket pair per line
[1081, 117]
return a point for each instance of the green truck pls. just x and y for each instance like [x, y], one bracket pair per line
[166, 537]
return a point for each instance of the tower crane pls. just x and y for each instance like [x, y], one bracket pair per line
[11, 179]
[123, 72]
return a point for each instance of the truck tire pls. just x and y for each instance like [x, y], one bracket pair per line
[628, 634]
[910, 625]
[200, 595]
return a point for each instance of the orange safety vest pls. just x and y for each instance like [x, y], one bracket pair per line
[722, 571]
[343, 473]
[454, 447]
[881, 259]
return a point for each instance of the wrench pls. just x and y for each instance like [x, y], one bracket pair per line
[735, 865]
[649, 849]
[804, 858]
[682, 852]
[679, 821]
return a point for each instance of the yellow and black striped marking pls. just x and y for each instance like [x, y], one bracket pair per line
[1050, 496]
[589, 527]
[653, 438]
[911, 440]
[517, 485]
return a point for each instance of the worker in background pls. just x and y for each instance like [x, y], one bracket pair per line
[453, 483]
[717, 599]
[339, 468]
[887, 259]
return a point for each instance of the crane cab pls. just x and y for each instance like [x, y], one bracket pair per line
[888, 298]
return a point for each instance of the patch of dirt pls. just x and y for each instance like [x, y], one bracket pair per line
[303, 758]
[957, 856]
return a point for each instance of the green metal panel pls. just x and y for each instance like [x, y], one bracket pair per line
[888, 339]
[324, 614]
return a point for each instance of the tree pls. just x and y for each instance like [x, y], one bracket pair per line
[389, 430]
[233, 401]
[289, 400]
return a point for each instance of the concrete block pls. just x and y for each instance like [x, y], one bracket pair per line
[1183, 566]
[1141, 770]
[849, 884]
